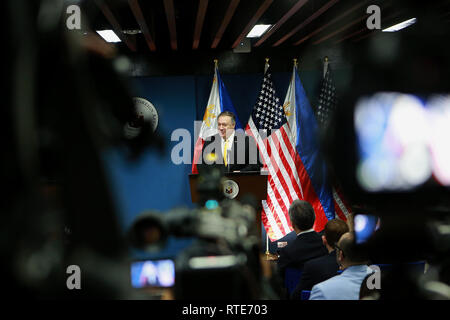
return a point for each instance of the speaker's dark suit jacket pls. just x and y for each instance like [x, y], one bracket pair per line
[315, 271]
[243, 156]
[305, 247]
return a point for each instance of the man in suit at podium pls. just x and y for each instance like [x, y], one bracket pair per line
[232, 150]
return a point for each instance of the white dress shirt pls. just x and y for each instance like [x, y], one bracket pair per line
[306, 231]
[229, 146]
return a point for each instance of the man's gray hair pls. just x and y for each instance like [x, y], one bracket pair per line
[229, 114]
[302, 214]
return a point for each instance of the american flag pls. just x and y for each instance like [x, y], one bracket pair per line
[326, 106]
[268, 125]
[327, 98]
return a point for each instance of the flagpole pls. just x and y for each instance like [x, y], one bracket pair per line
[325, 66]
[266, 66]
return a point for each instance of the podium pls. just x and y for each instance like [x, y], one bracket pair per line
[248, 182]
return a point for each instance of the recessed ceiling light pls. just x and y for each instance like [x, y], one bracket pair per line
[400, 26]
[258, 30]
[108, 35]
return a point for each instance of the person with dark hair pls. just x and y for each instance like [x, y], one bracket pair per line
[325, 267]
[230, 148]
[346, 286]
[308, 243]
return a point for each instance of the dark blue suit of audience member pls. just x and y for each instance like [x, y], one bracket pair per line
[316, 271]
[273, 245]
[305, 247]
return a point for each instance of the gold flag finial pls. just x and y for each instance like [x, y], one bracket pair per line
[267, 60]
[326, 59]
[216, 62]
[295, 62]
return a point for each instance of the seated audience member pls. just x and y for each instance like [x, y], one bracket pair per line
[307, 244]
[275, 246]
[345, 286]
[322, 268]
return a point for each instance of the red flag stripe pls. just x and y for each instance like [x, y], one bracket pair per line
[274, 228]
[339, 204]
[311, 197]
[273, 219]
[286, 158]
[280, 163]
[275, 202]
[290, 149]
[271, 165]
[197, 154]
[309, 194]
[338, 211]
[278, 184]
[268, 220]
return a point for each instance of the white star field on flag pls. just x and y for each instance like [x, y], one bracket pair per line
[268, 113]
[327, 100]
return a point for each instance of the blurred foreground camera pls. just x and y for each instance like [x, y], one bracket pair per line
[230, 222]
[226, 246]
[226, 250]
[392, 124]
[393, 121]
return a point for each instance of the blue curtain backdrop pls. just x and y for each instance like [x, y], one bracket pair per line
[154, 182]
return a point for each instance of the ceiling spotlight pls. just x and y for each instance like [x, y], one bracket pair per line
[258, 30]
[108, 35]
[400, 26]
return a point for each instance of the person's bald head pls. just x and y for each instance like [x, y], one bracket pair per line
[346, 240]
[351, 253]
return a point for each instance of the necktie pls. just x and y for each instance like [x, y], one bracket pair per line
[225, 150]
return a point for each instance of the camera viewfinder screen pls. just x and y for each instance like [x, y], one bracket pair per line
[365, 226]
[153, 273]
[402, 141]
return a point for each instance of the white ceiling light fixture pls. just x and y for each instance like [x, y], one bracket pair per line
[258, 30]
[400, 26]
[109, 35]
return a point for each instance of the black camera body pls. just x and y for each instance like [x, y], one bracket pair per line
[398, 96]
[226, 247]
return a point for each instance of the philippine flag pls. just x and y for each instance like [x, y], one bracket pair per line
[218, 101]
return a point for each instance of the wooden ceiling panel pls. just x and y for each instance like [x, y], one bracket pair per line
[171, 21]
[186, 25]
[202, 6]
[115, 24]
[280, 22]
[264, 6]
[134, 5]
[226, 20]
[306, 22]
